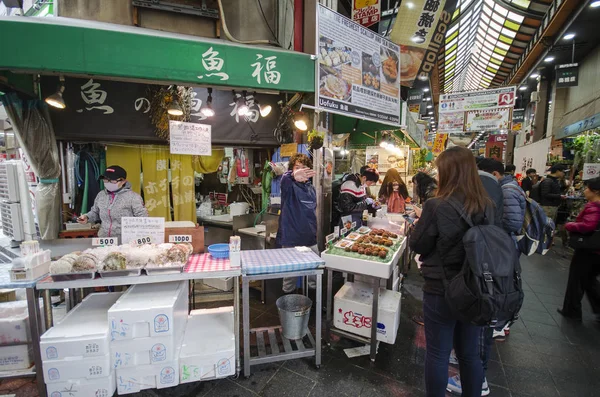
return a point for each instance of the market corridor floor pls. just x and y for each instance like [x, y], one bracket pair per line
[545, 355]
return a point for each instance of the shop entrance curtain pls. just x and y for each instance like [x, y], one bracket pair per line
[183, 188]
[155, 165]
[32, 127]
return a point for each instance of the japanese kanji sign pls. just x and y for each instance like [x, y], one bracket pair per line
[360, 70]
[190, 138]
[504, 97]
[567, 75]
[139, 228]
[366, 12]
[413, 32]
[439, 144]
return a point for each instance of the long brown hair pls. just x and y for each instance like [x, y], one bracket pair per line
[457, 175]
[387, 187]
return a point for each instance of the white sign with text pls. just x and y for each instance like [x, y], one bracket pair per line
[190, 138]
[134, 229]
[591, 170]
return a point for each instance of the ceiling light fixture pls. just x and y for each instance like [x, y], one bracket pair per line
[301, 121]
[595, 4]
[548, 59]
[430, 113]
[263, 110]
[410, 5]
[56, 100]
[425, 89]
[207, 109]
[523, 88]
[534, 76]
[569, 36]
[243, 108]
[429, 106]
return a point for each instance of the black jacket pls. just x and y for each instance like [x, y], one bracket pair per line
[494, 190]
[437, 237]
[550, 190]
[526, 184]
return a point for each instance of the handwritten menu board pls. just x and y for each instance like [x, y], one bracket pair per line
[133, 229]
[190, 138]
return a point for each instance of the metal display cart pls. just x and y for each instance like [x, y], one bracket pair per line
[271, 346]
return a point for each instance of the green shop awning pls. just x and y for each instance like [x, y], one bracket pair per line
[361, 131]
[77, 47]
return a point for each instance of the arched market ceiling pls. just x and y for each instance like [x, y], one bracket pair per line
[485, 40]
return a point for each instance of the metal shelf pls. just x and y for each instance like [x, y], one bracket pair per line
[18, 373]
[272, 346]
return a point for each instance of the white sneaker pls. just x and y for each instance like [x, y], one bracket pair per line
[485, 388]
[454, 386]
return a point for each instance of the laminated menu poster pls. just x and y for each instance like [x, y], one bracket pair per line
[138, 231]
[190, 138]
[358, 72]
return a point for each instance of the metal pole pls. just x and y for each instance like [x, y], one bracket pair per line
[34, 326]
[48, 317]
[246, 324]
[573, 52]
[374, 319]
[236, 324]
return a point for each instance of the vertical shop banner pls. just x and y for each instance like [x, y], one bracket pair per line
[487, 120]
[452, 122]
[190, 138]
[155, 164]
[416, 25]
[518, 117]
[494, 150]
[439, 144]
[358, 72]
[415, 99]
[366, 12]
[478, 100]
[183, 188]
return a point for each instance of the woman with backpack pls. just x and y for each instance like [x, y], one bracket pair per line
[437, 237]
[585, 265]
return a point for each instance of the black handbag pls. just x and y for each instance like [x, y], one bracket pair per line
[585, 241]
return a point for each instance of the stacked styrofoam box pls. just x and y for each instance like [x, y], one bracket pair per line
[75, 352]
[147, 325]
[15, 340]
[208, 350]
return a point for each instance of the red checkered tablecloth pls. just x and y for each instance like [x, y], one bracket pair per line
[206, 263]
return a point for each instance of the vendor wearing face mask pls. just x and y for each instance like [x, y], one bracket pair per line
[113, 203]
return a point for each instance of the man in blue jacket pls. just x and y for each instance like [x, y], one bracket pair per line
[298, 219]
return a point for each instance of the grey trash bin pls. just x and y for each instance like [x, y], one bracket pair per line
[294, 313]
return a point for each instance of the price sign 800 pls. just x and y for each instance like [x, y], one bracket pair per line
[143, 240]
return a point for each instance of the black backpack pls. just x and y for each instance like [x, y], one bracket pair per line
[488, 289]
[536, 192]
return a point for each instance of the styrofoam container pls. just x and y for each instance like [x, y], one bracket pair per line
[57, 371]
[223, 284]
[14, 323]
[83, 332]
[208, 350]
[31, 273]
[148, 310]
[145, 351]
[136, 379]
[352, 308]
[15, 357]
[100, 387]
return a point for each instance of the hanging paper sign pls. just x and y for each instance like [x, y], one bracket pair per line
[190, 138]
[518, 118]
[488, 120]
[439, 145]
[452, 122]
[140, 230]
[591, 170]
[288, 149]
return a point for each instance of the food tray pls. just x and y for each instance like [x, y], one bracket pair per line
[174, 269]
[87, 275]
[121, 273]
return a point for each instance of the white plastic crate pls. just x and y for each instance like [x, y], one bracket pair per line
[14, 323]
[208, 350]
[136, 379]
[352, 310]
[58, 371]
[149, 310]
[83, 332]
[101, 387]
[15, 357]
[145, 351]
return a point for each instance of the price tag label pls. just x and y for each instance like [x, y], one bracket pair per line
[143, 240]
[343, 232]
[105, 241]
[353, 225]
[180, 238]
[330, 238]
[336, 231]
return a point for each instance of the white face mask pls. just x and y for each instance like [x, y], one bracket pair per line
[111, 187]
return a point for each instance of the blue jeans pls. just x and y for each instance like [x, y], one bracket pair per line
[442, 331]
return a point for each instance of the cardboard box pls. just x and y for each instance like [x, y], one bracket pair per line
[58, 371]
[353, 308]
[135, 379]
[101, 387]
[145, 351]
[208, 350]
[83, 332]
[149, 310]
[8, 295]
[15, 357]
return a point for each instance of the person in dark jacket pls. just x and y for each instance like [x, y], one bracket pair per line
[510, 169]
[585, 265]
[528, 182]
[494, 191]
[551, 196]
[298, 219]
[424, 186]
[437, 237]
[352, 199]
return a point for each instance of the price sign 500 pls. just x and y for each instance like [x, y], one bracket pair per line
[105, 241]
[186, 238]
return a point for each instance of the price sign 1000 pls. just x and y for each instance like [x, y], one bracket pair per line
[178, 238]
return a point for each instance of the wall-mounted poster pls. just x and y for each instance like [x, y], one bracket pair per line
[359, 70]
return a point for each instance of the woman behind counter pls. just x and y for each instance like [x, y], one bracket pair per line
[116, 201]
[393, 192]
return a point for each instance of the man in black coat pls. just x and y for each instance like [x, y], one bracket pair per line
[551, 191]
[493, 189]
[528, 182]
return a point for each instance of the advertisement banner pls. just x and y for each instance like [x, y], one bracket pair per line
[414, 32]
[494, 150]
[478, 100]
[532, 156]
[359, 70]
[488, 120]
[366, 12]
[439, 144]
[518, 118]
[452, 122]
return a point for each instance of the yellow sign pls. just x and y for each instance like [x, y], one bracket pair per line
[289, 149]
[439, 144]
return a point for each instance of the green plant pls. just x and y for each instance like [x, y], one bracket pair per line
[315, 139]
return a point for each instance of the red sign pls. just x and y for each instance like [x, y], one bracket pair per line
[506, 99]
[497, 137]
[366, 12]
[494, 150]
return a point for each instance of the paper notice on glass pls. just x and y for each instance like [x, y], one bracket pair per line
[190, 138]
[133, 229]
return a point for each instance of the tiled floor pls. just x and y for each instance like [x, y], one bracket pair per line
[545, 355]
